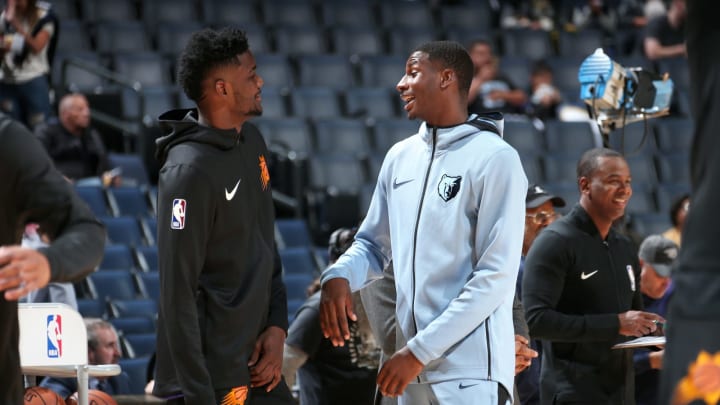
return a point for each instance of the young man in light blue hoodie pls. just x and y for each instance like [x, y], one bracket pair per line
[449, 210]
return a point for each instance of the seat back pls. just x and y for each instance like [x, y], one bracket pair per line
[51, 335]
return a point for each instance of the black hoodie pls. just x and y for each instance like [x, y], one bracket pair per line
[220, 281]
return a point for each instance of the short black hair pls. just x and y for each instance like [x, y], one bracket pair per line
[452, 55]
[677, 204]
[206, 50]
[589, 161]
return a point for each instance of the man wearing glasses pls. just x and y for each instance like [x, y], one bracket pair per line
[539, 213]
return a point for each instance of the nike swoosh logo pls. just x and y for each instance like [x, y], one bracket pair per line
[584, 276]
[462, 387]
[229, 195]
[397, 184]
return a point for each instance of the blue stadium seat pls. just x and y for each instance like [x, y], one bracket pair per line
[371, 102]
[180, 11]
[297, 284]
[350, 40]
[75, 78]
[405, 14]
[151, 284]
[674, 134]
[94, 197]
[275, 69]
[532, 44]
[131, 201]
[571, 138]
[274, 103]
[148, 68]
[122, 36]
[117, 257]
[92, 307]
[112, 284]
[149, 228]
[289, 135]
[315, 102]
[533, 169]
[342, 135]
[171, 37]
[223, 12]
[404, 40]
[136, 307]
[66, 10]
[147, 256]
[288, 12]
[123, 230]
[135, 324]
[298, 40]
[581, 43]
[337, 173]
[560, 168]
[141, 344]
[328, 70]
[382, 70]
[522, 135]
[133, 168]
[109, 10]
[517, 69]
[293, 232]
[299, 260]
[634, 139]
[74, 37]
[348, 14]
[137, 369]
[388, 132]
[469, 17]
[674, 168]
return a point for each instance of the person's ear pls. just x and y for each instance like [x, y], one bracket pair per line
[584, 184]
[220, 87]
[447, 76]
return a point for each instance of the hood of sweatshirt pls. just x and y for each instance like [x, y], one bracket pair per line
[183, 126]
[449, 135]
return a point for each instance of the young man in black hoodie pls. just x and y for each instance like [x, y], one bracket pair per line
[223, 309]
[31, 190]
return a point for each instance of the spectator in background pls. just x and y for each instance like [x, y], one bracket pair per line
[32, 191]
[28, 40]
[490, 90]
[75, 146]
[544, 96]
[103, 348]
[665, 35]
[581, 294]
[328, 374]
[532, 14]
[539, 213]
[678, 212]
[657, 258]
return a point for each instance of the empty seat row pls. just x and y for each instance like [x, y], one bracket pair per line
[119, 201]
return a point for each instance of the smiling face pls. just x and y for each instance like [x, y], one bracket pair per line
[420, 87]
[606, 191]
[243, 87]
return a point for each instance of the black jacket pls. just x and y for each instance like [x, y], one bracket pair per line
[31, 190]
[220, 279]
[74, 156]
[574, 286]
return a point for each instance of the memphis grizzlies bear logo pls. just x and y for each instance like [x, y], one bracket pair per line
[449, 187]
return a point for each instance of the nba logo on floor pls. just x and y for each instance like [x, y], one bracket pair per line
[54, 336]
[178, 214]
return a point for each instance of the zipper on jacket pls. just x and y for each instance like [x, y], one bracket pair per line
[487, 344]
[417, 223]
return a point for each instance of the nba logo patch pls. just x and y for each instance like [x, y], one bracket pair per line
[178, 214]
[54, 336]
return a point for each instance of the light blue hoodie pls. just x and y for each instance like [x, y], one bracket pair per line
[449, 209]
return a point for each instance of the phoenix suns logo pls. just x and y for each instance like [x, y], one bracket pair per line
[264, 173]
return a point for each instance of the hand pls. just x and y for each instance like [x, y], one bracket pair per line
[266, 360]
[638, 323]
[523, 354]
[396, 373]
[22, 270]
[335, 308]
